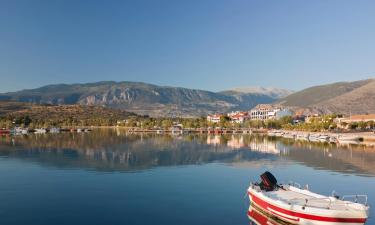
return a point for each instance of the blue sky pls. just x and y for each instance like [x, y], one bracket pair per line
[205, 44]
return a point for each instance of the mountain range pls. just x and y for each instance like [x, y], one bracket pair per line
[142, 98]
[269, 91]
[164, 101]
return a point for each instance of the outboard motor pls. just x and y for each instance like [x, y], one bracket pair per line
[269, 182]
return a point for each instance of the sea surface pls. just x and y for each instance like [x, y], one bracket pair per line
[111, 177]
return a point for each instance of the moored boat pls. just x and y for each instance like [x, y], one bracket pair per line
[332, 139]
[301, 206]
[54, 130]
[271, 133]
[4, 131]
[314, 137]
[303, 136]
[344, 138]
[19, 130]
[40, 131]
[289, 135]
[323, 138]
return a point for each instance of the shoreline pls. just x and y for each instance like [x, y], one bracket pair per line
[366, 136]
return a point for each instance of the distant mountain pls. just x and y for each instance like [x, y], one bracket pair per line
[270, 91]
[356, 97]
[141, 98]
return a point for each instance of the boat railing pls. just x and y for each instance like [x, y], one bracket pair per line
[324, 198]
[356, 198]
[309, 200]
[331, 200]
[294, 184]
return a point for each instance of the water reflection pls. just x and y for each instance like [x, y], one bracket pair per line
[255, 143]
[113, 150]
[116, 150]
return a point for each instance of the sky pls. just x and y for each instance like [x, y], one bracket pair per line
[204, 44]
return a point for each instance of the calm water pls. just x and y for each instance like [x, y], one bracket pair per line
[109, 177]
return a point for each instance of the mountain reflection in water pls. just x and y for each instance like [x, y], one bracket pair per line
[116, 150]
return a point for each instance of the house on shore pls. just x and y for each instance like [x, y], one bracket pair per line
[345, 121]
[238, 117]
[214, 118]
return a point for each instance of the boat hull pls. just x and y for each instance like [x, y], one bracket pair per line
[293, 215]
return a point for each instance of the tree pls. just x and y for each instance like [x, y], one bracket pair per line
[362, 125]
[224, 121]
[354, 125]
[371, 124]
[273, 124]
[166, 123]
[286, 120]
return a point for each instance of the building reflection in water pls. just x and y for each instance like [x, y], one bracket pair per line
[121, 151]
[254, 143]
[115, 149]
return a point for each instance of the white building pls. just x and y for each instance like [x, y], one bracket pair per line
[238, 117]
[215, 118]
[267, 111]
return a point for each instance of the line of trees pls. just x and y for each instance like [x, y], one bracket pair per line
[325, 122]
[225, 122]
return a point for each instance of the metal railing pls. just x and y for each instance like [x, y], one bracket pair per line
[356, 198]
[294, 184]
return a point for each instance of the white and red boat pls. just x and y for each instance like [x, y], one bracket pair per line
[301, 206]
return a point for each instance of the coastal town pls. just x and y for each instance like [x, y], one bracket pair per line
[271, 119]
[268, 112]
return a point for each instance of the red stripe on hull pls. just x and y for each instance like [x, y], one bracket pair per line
[265, 205]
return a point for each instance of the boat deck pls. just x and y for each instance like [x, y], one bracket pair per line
[308, 199]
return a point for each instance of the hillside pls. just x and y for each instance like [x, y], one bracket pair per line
[141, 98]
[11, 106]
[271, 92]
[356, 97]
[66, 115]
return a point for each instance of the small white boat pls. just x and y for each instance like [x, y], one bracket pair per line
[301, 206]
[289, 135]
[271, 133]
[332, 139]
[303, 137]
[176, 132]
[314, 137]
[345, 138]
[40, 131]
[323, 138]
[19, 130]
[54, 130]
